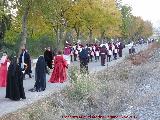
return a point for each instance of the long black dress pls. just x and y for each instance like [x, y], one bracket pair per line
[14, 88]
[48, 58]
[40, 75]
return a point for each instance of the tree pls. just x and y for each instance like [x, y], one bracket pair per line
[24, 7]
[111, 20]
[54, 11]
[74, 18]
[5, 20]
[126, 20]
[147, 29]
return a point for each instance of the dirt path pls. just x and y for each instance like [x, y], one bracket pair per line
[8, 106]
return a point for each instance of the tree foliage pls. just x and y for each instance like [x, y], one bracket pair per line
[31, 20]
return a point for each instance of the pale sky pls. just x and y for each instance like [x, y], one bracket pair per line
[147, 9]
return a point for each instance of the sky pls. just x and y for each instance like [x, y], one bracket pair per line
[147, 9]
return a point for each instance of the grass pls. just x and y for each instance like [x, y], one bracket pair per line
[143, 56]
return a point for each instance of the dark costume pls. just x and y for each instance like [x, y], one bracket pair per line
[40, 75]
[103, 53]
[27, 61]
[120, 48]
[83, 56]
[14, 89]
[48, 58]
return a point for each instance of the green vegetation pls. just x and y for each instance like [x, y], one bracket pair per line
[36, 24]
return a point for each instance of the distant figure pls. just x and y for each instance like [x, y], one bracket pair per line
[48, 57]
[130, 45]
[83, 56]
[25, 63]
[59, 74]
[120, 49]
[40, 75]
[115, 51]
[75, 53]
[67, 52]
[109, 54]
[97, 51]
[3, 70]
[103, 53]
[14, 89]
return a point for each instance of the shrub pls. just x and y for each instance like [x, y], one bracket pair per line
[143, 56]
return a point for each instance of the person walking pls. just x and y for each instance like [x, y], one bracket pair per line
[83, 55]
[103, 53]
[3, 70]
[40, 75]
[25, 63]
[59, 74]
[14, 88]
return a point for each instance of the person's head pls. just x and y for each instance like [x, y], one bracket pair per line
[103, 46]
[13, 60]
[40, 58]
[23, 50]
[49, 49]
[4, 53]
[60, 52]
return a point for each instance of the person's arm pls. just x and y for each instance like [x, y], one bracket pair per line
[65, 63]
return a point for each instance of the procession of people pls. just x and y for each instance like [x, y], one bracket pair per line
[13, 71]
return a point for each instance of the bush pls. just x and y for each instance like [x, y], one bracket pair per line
[36, 47]
[82, 85]
[144, 56]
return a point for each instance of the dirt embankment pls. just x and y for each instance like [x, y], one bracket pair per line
[124, 89]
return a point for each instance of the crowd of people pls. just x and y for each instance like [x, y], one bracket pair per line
[13, 71]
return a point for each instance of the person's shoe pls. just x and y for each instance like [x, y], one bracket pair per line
[24, 98]
[32, 90]
[30, 76]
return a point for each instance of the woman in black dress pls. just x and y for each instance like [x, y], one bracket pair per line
[14, 88]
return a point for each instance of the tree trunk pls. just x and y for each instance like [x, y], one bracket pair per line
[90, 35]
[60, 37]
[102, 35]
[77, 32]
[24, 30]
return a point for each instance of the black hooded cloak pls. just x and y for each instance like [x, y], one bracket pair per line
[48, 58]
[14, 88]
[40, 74]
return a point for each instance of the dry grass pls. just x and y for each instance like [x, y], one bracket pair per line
[143, 56]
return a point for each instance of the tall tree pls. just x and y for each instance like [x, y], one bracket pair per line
[111, 20]
[126, 20]
[5, 20]
[24, 7]
[54, 11]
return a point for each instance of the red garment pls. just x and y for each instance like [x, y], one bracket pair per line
[3, 74]
[59, 73]
[67, 51]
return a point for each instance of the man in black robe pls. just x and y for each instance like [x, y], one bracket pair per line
[14, 88]
[48, 57]
[83, 56]
[40, 75]
[103, 53]
[120, 48]
[25, 63]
